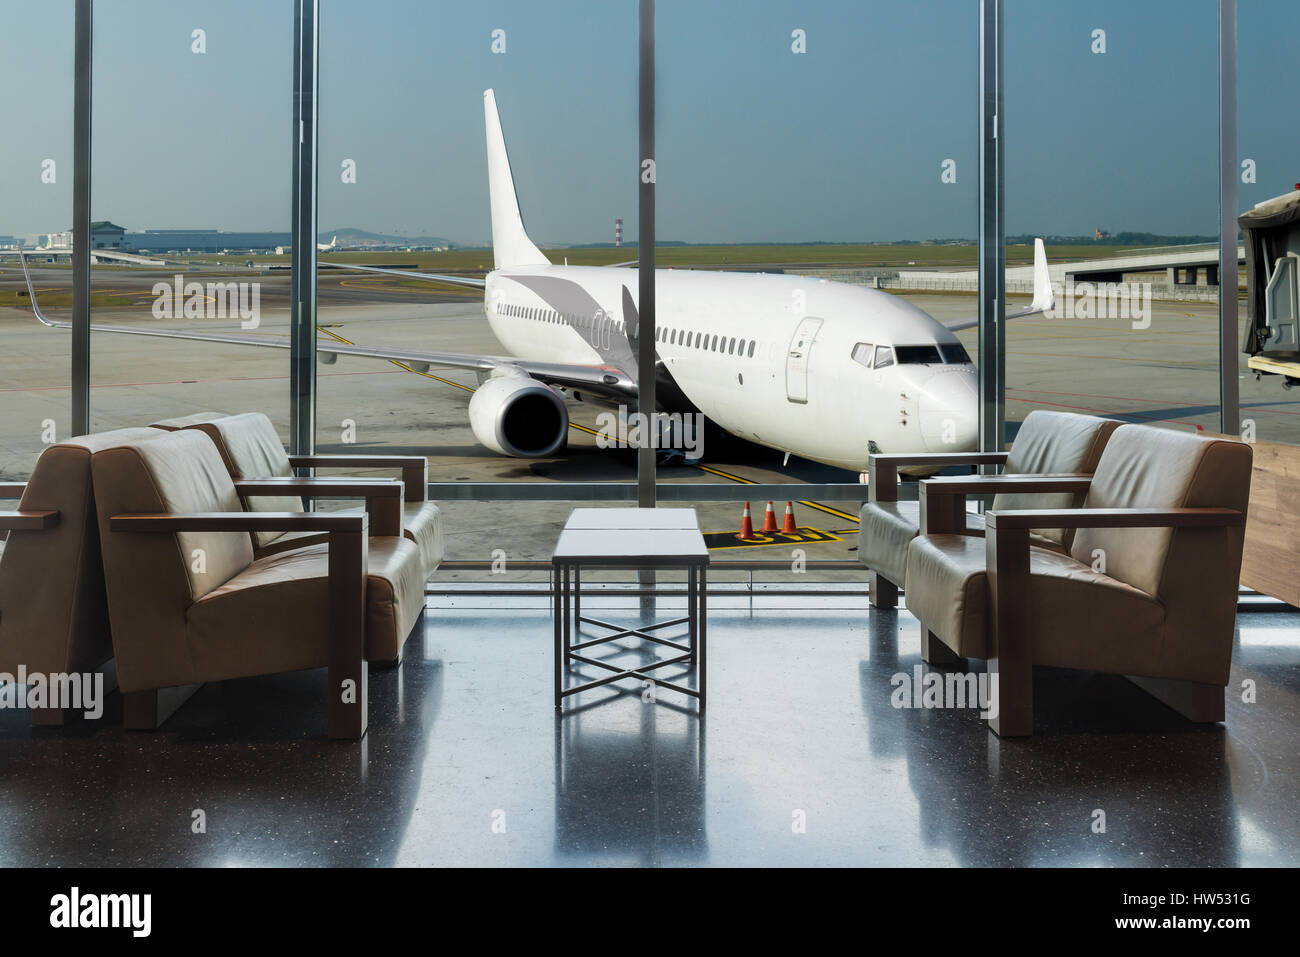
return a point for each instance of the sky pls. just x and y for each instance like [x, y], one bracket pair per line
[755, 142]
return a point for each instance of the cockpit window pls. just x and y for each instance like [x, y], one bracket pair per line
[955, 353]
[862, 353]
[884, 357]
[918, 355]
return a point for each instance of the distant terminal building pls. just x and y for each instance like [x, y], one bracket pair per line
[103, 235]
[618, 232]
[202, 241]
[8, 242]
[106, 235]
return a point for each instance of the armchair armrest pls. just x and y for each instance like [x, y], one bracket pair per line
[28, 520]
[1116, 518]
[353, 522]
[882, 469]
[943, 500]
[1006, 544]
[383, 496]
[415, 468]
[349, 550]
[1018, 482]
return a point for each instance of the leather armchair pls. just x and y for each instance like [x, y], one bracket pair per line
[53, 610]
[1058, 443]
[251, 449]
[189, 602]
[1147, 589]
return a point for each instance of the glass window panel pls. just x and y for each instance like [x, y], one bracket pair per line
[1269, 166]
[411, 117]
[819, 198]
[35, 210]
[191, 157]
[1129, 209]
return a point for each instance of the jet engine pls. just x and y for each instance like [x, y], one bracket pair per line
[514, 414]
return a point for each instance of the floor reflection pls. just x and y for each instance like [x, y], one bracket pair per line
[629, 783]
[800, 727]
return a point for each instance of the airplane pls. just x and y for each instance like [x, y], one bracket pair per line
[325, 247]
[823, 370]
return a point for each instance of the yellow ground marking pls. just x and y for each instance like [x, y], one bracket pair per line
[744, 481]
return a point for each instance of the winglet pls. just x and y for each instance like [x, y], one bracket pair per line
[1044, 295]
[1044, 298]
[31, 294]
[510, 243]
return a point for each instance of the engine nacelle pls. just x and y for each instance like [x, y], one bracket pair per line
[514, 414]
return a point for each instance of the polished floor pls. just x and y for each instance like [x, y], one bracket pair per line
[800, 759]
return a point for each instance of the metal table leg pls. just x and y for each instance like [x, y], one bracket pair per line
[692, 609]
[555, 576]
[704, 625]
[567, 613]
[570, 646]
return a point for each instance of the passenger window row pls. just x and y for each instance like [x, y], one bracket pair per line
[691, 340]
[699, 340]
[538, 314]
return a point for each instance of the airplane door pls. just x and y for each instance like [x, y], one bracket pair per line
[796, 360]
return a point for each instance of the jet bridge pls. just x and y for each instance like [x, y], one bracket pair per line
[1271, 233]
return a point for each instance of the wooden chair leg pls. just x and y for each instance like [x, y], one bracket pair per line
[883, 592]
[1011, 666]
[147, 710]
[348, 670]
[1192, 699]
[935, 652]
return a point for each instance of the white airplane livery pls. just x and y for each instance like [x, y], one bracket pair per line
[823, 370]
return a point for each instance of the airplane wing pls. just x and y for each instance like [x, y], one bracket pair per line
[432, 277]
[601, 380]
[1044, 298]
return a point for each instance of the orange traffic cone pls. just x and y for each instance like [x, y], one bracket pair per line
[788, 527]
[746, 527]
[769, 519]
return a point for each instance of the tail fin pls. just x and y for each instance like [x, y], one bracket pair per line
[510, 243]
[1044, 300]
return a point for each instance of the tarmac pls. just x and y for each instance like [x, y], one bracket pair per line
[1164, 374]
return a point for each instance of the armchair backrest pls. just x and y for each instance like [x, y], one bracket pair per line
[53, 609]
[1193, 572]
[251, 449]
[1055, 442]
[152, 579]
[185, 421]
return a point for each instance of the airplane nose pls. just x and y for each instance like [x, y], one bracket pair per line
[950, 412]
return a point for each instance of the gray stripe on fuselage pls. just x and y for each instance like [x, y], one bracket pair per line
[568, 298]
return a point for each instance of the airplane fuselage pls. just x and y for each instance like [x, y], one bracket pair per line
[825, 370]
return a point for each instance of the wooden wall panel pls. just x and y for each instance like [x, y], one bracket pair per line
[1271, 560]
